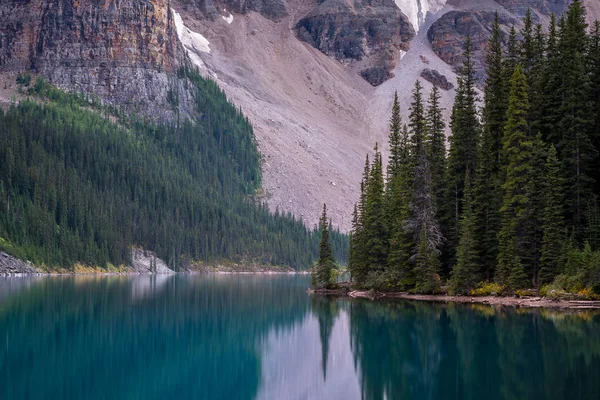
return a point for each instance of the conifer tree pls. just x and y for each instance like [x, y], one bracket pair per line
[527, 45]
[427, 264]
[423, 212]
[464, 275]
[517, 149]
[375, 227]
[574, 146]
[399, 268]
[463, 150]
[326, 263]
[358, 266]
[395, 140]
[436, 145]
[552, 257]
[487, 192]
[551, 97]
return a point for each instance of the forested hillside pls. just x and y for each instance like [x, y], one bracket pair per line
[81, 184]
[515, 199]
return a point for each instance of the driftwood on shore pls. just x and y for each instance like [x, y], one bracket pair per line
[525, 302]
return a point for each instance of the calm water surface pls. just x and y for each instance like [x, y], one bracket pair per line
[263, 337]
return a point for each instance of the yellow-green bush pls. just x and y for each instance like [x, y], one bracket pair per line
[488, 289]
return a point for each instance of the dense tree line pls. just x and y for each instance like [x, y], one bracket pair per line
[515, 200]
[77, 186]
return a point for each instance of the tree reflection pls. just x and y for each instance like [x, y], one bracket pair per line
[326, 311]
[412, 350]
[115, 337]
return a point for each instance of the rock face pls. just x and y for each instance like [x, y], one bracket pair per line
[448, 33]
[11, 266]
[274, 10]
[146, 262]
[123, 51]
[435, 78]
[366, 34]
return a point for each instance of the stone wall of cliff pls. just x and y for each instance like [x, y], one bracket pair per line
[126, 52]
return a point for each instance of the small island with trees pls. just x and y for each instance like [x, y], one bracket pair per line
[511, 209]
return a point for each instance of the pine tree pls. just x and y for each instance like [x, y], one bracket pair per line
[375, 226]
[326, 263]
[551, 96]
[395, 140]
[517, 149]
[358, 267]
[399, 268]
[575, 146]
[464, 275]
[436, 145]
[552, 257]
[487, 192]
[464, 144]
[423, 212]
[427, 264]
[527, 45]
[594, 96]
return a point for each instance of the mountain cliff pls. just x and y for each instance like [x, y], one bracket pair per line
[314, 77]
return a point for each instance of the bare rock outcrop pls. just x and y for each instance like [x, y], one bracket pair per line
[437, 79]
[12, 266]
[126, 52]
[146, 262]
[366, 34]
[447, 36]
[274, 10]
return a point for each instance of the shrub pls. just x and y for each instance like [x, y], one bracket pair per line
[488, 289]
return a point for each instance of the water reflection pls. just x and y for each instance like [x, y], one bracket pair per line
[263, 337]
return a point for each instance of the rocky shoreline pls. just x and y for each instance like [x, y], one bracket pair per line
[143, 262]
[10, 266]
[506, 301]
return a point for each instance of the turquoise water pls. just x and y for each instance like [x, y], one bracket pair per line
[263, 337]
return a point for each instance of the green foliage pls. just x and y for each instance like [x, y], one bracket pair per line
[488, 289]
[552, 255]
[322, 273]
[464, 145]
[464, 275]
[535, 170]
[79, 188]
[518, 153]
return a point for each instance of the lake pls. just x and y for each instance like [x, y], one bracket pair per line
[264, 337]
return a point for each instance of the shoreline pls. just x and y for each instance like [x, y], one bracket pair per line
[514, 302]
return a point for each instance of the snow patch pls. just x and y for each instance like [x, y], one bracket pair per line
[228, 19]
[416, 10]
[192, 41]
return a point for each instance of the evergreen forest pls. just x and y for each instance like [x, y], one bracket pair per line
[82, 183]
[510, 201]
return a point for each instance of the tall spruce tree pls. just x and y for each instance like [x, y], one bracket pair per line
[527, 45]
[325, 263]
[436, 145]
[517, 149]
[487, 192]
[464, 141]
[358, 267]
[423, 212]
[575, 146]
[464, 276]
[594, 96]
[400, 270]
[375, 226]
[552, 257]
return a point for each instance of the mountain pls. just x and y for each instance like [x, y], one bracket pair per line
[315, 78]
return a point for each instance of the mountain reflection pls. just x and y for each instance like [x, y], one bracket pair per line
[263, 337]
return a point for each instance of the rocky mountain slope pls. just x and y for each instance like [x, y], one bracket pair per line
[315, 77]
